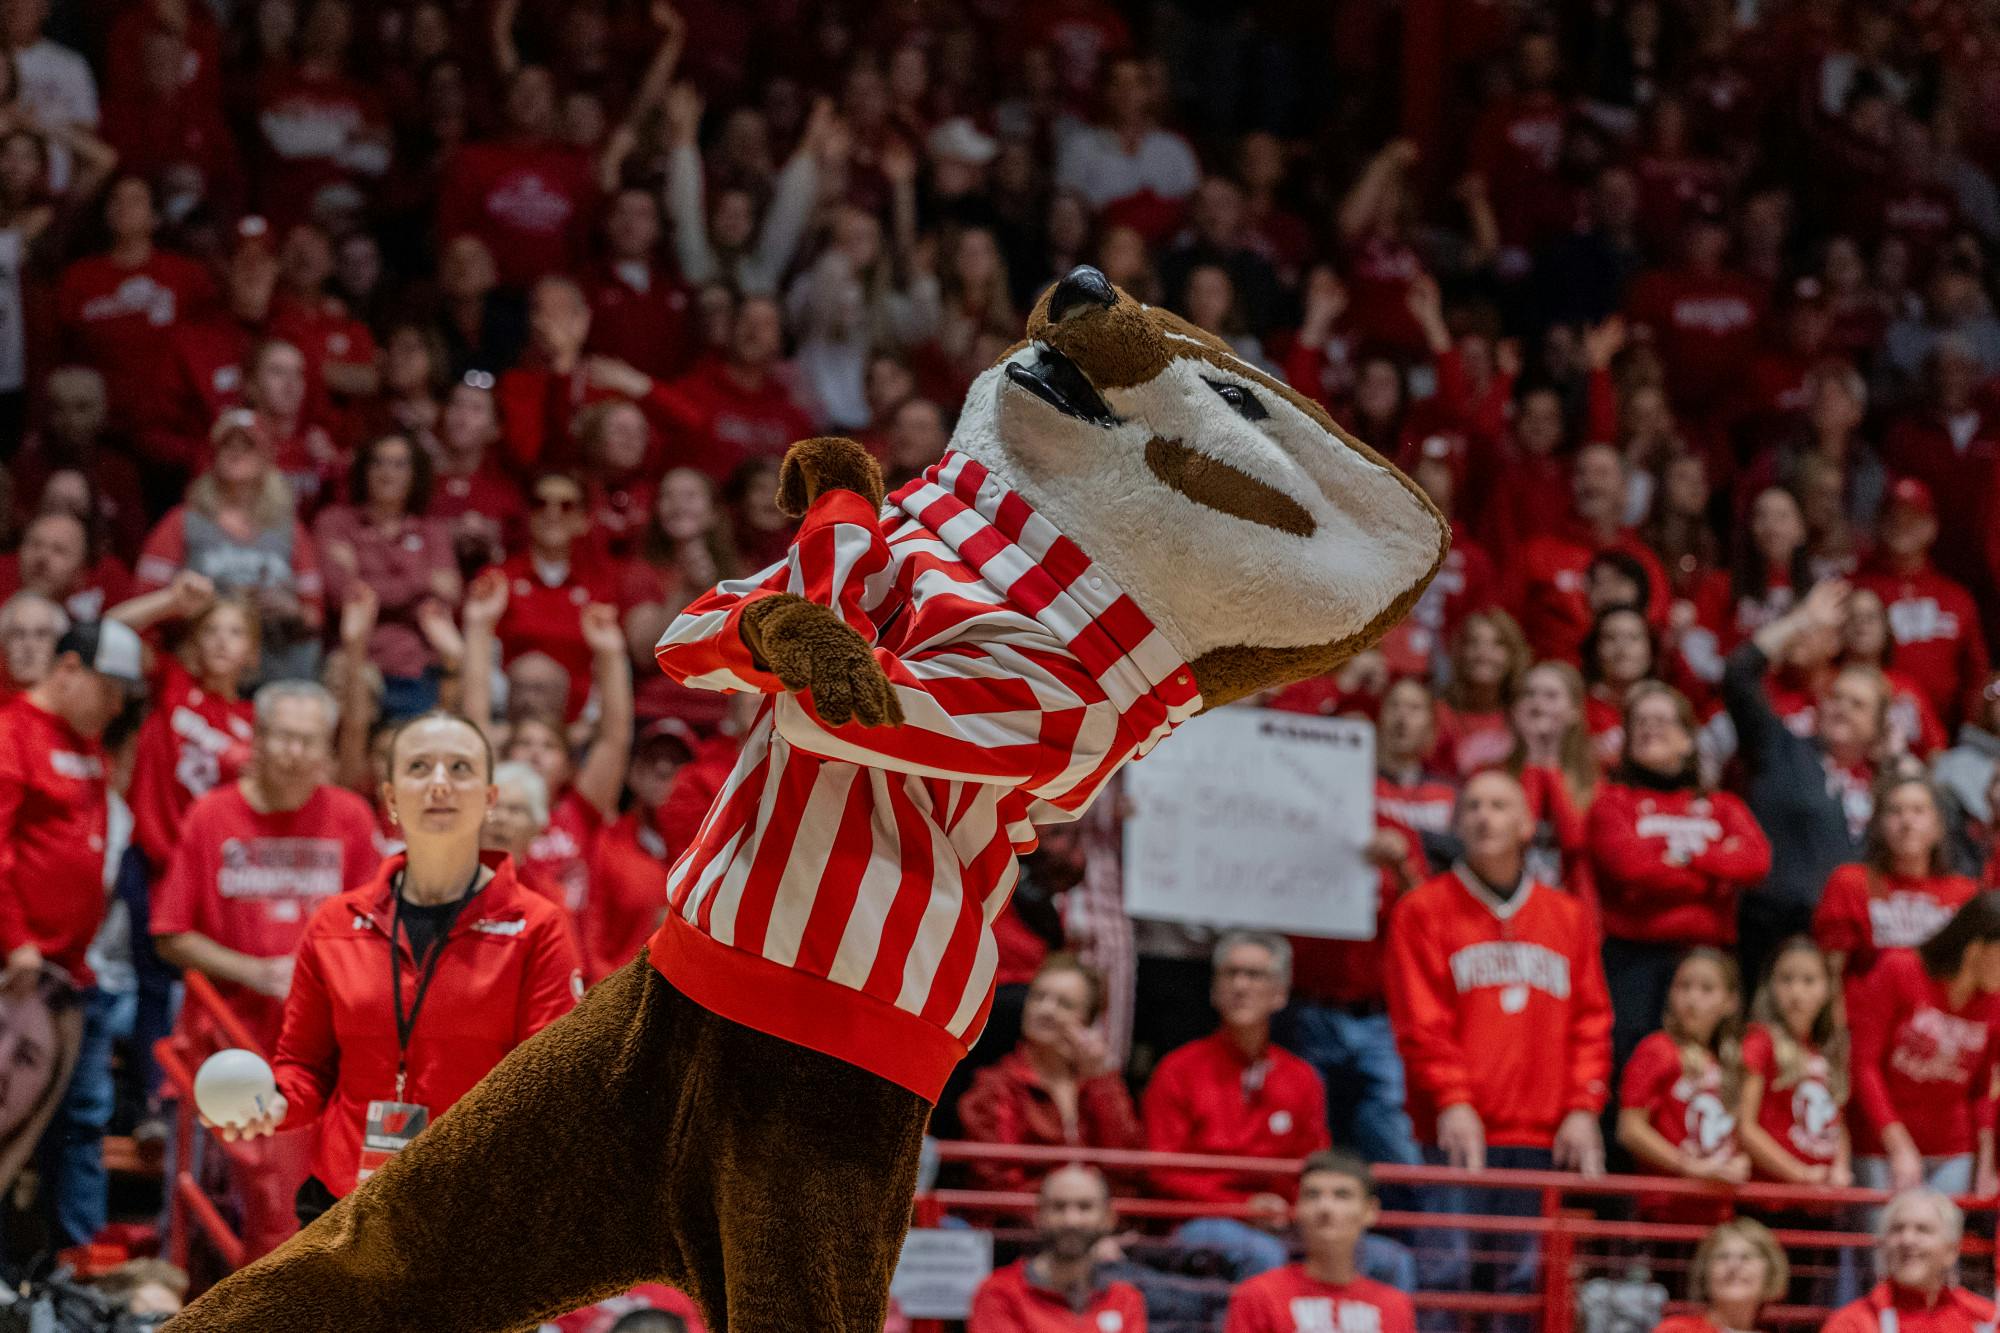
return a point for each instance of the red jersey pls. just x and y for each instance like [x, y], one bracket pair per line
[1955, 1310]
[1863, 911]
[1008, 1103]
[1803, 1116]
[1548, 588]
[639, 314]
[1289, 1300]
[716, 422]
[628, 893]
[1686, 1110]
[531, 202]
[1668, 865]
[1705, 326]
[1207, 1097]
[506, 969]
[98, 587]
[1011, 1301]
[1470, 742]
[1500, 1005]
[1425, 804]
[561, 853]
[53, 813]
[1919, 1062]
[252, 881]
[1938, 641]
[118, 319]
[317, 133]
[191, 742]
[545, 616]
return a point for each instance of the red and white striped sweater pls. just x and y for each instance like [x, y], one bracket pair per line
[842, 890]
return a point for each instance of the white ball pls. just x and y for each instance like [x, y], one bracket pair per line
[234, 1087]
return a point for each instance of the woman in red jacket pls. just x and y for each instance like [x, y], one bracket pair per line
[409, 989]
[1926, 1029]
[1051, 1090]
[1901, 893]
[1668, 860]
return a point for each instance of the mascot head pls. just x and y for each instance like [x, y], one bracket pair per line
[1265, 543]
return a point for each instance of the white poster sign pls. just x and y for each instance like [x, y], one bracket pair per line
[1254, 818]
[940, 1270]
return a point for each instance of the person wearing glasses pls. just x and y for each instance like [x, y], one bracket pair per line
[30, 624]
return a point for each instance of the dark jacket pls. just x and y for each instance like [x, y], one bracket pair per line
[1786, 787]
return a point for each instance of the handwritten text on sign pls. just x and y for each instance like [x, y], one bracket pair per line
[1254, 818]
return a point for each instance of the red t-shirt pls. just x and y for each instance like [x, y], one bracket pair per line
[715, 422]
[531, 202]
[561, 853]
[639, 314]
[1918, 1061]
[191, 742]
[1804, 1118]
[1687, 1111]
[1010, 1302]
[252, 881]
[1469, 742]
[1288, 1300]
[1705, 326]
[628, 894]
[53, 814]
[118, 319]
[315, 132]
[1939, 645]
[548, 617]
[1863, 911]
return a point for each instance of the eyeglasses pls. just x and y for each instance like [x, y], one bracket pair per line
[562, 504]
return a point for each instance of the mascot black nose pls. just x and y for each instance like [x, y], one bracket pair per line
[1084, 286]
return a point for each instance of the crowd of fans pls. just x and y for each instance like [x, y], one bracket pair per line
[366, 358]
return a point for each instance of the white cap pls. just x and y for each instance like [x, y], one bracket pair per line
[108, 647]
[962, 141]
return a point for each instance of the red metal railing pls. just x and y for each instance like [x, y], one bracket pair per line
[207, 1025]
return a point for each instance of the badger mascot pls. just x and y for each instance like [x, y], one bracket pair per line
[1130, 526]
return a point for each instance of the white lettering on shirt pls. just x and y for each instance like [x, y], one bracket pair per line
[279, 868]
[1510, 963]
[1905, 920]
[78, 767]
[1323, 1314]
[1688, 836]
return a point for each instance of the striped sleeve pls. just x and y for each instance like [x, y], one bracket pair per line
[838, 560]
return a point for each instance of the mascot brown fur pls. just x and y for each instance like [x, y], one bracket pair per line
[1131, 526]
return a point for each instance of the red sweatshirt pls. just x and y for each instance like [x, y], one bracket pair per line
[1669, 865]
[52, 828]
[1939, 644]
[1288, 1300]
[1547, 588]
[118, 319]
[1499, 1005]
[1010, 1301]
[1008, 1103]
[190, 742]
[531, 202]
[1863, 911]
[1955, 1310]
[1207, 1098]
[1802, 1116]
[716, 422]
[1918, 1062]
[506, 970]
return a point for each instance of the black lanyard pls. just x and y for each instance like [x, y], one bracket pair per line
[426, 970]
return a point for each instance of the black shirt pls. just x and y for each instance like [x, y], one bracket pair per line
[426, 923]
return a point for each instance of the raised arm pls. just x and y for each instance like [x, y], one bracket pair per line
[602, 775]
[485, 603]
[683, 192]
[1375, 190]
[187, 595]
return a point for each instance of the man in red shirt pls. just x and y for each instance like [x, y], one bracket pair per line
[1550, 595]
[53, 813]
[528, 195]
[1497, 997]
[1704, 317]
[1940, 645]
[724, 411]
[1916, 1254]
[54, 561]
[255, 859]
[1337, 1206]
[1059, 1289]
[322, 135]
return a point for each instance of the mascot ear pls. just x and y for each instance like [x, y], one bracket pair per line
[826, 463]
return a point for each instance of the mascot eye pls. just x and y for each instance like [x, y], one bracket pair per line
[1240, 398]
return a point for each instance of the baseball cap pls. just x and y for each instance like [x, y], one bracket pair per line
[254, 229]
[670, 730]
[108, 647]
[230, 422]
[1913, 494]
[961, 141]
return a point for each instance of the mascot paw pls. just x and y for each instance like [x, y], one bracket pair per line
[827, 463]
[810, 649]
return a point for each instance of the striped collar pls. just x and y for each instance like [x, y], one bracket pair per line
[1503, 908]
[1044, 574]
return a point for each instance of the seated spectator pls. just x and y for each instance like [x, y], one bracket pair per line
[1496, 993]
[615, 446]
[520, 814]
[687, 547]
[1926, 1037]
[1738, 1269]
[628, 865]
[1676, 1096]
[1934, 619]
[381, 539]
[1810, 794]
[276, 390]
[30, 624]
[56, 560]
[240, 530]
[1795, 1073]
[737, 406]
[1488, 658]
[1336, 1208]
[1917, 1240]
[1054, 1089]
[1668, 857]
[470, 492]
[73, 437]
[1902, 893]
[1059, 1289]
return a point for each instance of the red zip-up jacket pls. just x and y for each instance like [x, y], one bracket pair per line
[1918, 1062]
[1500, 1006]
[1007, 1103]
[52, 828]
[508, 969]
[1011, 1301]
[1206, 1098]
[1889, 1306]
[1670, 864]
